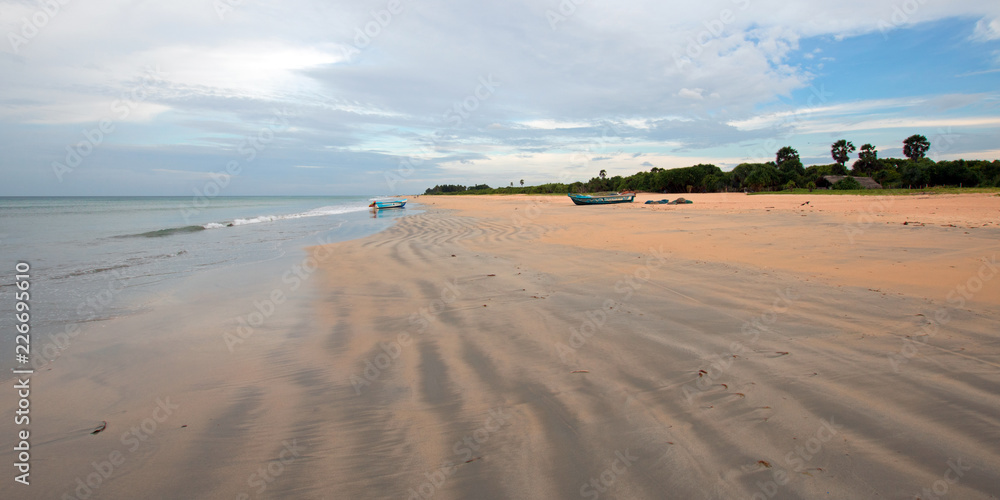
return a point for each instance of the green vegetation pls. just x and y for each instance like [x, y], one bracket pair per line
[841, 151]
[847, 184]
[784, 154]
[785, 172]
[894, 192]
[915, 146]
[867, 160]
[554, 188]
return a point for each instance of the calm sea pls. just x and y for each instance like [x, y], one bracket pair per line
[96, 258]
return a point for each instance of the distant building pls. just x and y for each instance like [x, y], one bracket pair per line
[826, 181]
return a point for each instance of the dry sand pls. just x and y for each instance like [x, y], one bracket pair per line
[524, 347]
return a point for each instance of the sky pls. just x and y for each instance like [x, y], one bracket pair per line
[244, 97]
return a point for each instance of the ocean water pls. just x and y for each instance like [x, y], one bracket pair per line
[96, 258]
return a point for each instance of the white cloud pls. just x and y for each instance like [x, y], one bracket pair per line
[248, 68]
[987, 30]
[870, 115]
[565, 167]
[691, 93]
[666, 78]
[638, 123]
[183, 174]
[79, 92]
[840, 126]
[965, 155]
[984, 72]
[85, 109]
[550, 124]
[798, 116]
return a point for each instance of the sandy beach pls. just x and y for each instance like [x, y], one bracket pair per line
[771, 346]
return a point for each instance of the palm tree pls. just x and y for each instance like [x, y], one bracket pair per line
[603, 174]
[867, 160]
[841, 151]
[522, 182]
[788, 162]
[868, 153]
[784, 154]
[915, 146]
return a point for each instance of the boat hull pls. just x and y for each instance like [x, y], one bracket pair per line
[583, 199]
[389, 204]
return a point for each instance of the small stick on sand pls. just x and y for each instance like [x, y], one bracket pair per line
[104, 425]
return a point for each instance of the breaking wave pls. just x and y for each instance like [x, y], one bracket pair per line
[316, 212]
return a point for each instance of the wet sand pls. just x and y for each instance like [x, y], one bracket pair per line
[523, 347]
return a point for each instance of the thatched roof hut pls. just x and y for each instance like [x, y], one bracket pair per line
[829, 180]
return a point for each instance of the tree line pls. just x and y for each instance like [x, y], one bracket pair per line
[785, 172]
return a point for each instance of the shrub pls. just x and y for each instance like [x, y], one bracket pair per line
[847, 183]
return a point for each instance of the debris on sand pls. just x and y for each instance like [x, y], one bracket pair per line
[104, 425]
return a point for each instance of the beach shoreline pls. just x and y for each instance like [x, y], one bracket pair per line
[523, 347]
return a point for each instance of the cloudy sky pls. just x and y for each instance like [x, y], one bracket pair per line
[105, 97]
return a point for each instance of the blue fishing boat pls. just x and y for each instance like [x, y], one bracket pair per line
[602, 198]
[388, 204]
